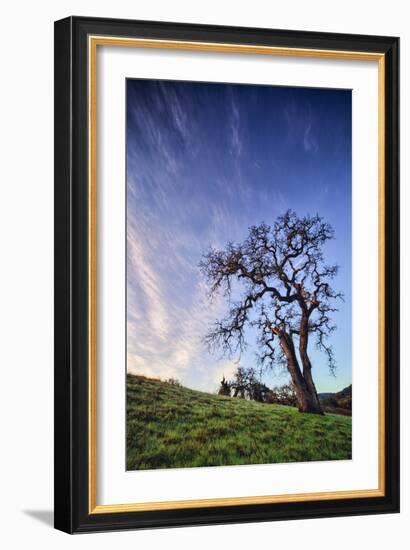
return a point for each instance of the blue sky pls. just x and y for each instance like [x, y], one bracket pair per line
[204, 162]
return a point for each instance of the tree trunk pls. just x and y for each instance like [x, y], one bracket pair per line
[307, 374]
[309, 402]
[307, 366]
[305, 390]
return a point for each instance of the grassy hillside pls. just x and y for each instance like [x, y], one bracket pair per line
[175, 427]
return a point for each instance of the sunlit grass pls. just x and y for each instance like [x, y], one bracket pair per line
[174, 427]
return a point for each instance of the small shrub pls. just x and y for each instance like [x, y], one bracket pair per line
[173, 382]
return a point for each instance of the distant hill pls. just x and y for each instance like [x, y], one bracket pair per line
[339, 402]
[169, 426]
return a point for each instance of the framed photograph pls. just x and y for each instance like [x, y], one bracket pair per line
[226, 274]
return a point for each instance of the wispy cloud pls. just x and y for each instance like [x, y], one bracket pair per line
[176, 110]
[180, 353]
[236, 142]
[148, 283]
[300, 126]
[309, 141]
[177, 127]
[172, 219]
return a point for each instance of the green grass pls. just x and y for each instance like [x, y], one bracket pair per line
[175, 427]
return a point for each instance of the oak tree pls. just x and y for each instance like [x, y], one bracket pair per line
[278, 282]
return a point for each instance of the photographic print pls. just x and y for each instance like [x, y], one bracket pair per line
[239, 253]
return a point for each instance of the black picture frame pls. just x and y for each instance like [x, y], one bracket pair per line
[71, 487]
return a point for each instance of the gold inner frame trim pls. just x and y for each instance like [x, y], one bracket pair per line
[93, 42]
